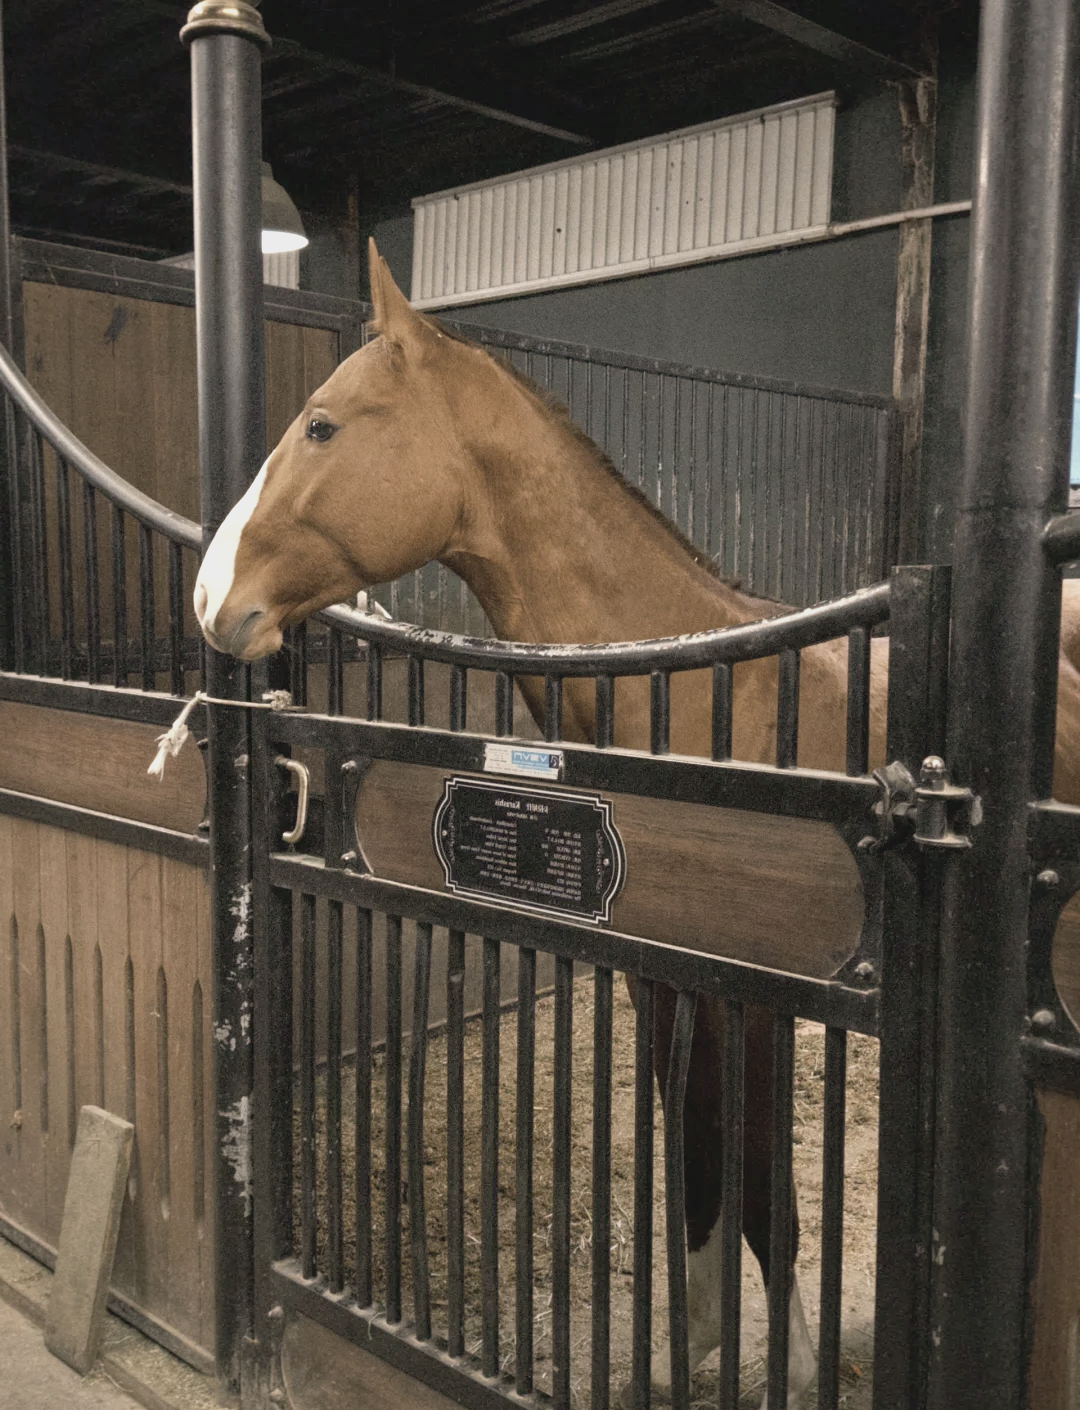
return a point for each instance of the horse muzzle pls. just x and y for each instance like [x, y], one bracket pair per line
[244, 634]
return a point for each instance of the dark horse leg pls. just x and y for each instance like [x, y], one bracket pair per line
[703, 1137]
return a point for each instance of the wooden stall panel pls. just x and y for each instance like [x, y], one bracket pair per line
[1054, 1380]
[1065, 958]
[780, 892]
[100, 764]
[103, 968]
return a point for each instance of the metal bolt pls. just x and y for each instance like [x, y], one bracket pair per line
[241, 761]
[276, 1313]
[864, 972]
[348, 859]
[278, 1397]
[1048, 878]
[932, 773]
[1042, 1020]
[350, 766]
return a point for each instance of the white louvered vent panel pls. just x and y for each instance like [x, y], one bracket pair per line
[748, 182]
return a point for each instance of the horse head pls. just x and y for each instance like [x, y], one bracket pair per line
[364, 485]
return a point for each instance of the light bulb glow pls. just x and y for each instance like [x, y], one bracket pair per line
[277, 242]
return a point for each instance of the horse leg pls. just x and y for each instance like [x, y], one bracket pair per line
[757, 1195]
[703, 1142]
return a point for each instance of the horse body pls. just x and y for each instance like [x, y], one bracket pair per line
[421, 447]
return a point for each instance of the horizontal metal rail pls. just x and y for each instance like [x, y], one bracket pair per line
[1061, 538]
[723, 645]
[150, 512]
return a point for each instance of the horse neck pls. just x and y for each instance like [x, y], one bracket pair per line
[557, 549]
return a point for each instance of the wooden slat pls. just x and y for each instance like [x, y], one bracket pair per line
[1066, 958]
[52, 855]
[1056, 1290]
[781, 892]
[152, 1268]
[100, 764]
[28, 1134]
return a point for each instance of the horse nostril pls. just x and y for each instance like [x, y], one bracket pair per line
[242, 634]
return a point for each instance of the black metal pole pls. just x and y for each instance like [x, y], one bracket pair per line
[8, 537]
[1022, 340]
[225, 42]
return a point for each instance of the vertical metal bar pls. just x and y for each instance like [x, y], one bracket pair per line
[147, 643]
[335, 672]
[119, 587]
[660, 711]
[374, 681]
[459, 697]
[417, 1068]
[832, 1218]
[605, 711]
[392, 1124]
[416, 690]
[298, 676]
[504, 703]
[560, 1183]
[455, 1143]
[919, 634]
[93, 583]
[362, 1178]
[307, 1087]
[732, 1111]
[36, 467]
[781, 1210]
[335, 1250]
[787, 710]
[858, 701]
[1025, 272]
[12, 641]
[226, 149]
[176, 618]
[489, 1162]
[67, 595]
[641, 1355]
[721, 711]
[675, 1197]
[526, 1068]
[601, 1189]
[552, 708]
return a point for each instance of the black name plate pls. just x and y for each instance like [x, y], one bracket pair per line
[544, 849]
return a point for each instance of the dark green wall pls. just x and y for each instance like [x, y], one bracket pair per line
[819, 313]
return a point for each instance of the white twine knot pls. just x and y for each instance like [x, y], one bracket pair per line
[177, 735]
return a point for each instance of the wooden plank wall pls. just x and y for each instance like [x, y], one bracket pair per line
[105, 950]
[105, 998]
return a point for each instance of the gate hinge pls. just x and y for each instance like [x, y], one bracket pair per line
[944, 813]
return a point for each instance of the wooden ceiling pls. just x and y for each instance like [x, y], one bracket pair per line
[399, 99]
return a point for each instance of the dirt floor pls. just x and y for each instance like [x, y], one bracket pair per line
[860, 1199]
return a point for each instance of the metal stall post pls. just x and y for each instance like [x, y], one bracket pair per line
[226, 40]
[1003, 670]
[10, 576]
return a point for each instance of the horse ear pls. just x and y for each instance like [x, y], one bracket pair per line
[395, 317]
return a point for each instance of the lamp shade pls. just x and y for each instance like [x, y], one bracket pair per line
[282, 228]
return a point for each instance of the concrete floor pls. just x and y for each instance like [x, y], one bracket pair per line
[31, 1378]
[131, 1372]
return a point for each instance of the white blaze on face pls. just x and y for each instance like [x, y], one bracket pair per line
[216, 571]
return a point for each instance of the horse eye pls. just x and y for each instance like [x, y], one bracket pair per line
[319, 430]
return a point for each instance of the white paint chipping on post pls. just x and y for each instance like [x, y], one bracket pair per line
[91, 1222]
[236, 1147]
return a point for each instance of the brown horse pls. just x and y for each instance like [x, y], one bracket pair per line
[421, 447]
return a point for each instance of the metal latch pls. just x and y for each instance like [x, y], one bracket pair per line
[944, 813]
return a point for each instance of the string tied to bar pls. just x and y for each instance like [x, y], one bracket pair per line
[176, 736]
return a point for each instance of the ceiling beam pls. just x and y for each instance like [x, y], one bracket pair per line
[95, 173]
[811, 35]
[402, 83]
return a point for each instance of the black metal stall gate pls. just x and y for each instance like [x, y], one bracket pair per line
[935, 960]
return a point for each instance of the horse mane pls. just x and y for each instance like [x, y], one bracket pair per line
[560, 412]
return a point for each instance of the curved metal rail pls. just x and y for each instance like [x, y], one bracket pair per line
[175, 527]
[721, 646]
